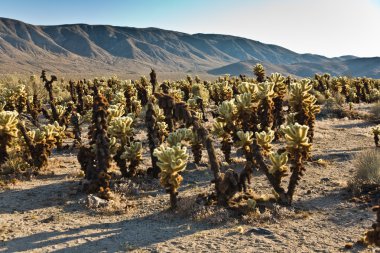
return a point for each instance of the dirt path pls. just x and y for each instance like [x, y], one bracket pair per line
[47, 214]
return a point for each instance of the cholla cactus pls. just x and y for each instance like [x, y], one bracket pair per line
[117, 110]
[132, 154]
[171, 160]
[181, 134]
[296, 138]
[227, 111]
[121, 128]
[41, 142]
[245, 87]
[280, 91]
[264, 140]
[219, 129]
[266, 106]
[245, 140]
[278, 163]
[220, 92]
[57, 131]
[298, 146]
[8, 131]
[376, 132]
[196, 147]
[259, 71]
[304, 104]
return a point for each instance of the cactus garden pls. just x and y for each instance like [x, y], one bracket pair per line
[256, 163]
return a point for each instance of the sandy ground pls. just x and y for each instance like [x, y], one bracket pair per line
[49, 214]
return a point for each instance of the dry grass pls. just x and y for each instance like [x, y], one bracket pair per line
[375, 111]
[367, 166]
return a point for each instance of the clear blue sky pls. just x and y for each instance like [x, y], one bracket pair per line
[328, 27]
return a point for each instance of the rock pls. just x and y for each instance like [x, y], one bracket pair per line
[260, 231]
[349, 245]
[325, 179]
[93, 201]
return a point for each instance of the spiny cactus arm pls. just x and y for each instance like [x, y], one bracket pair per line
[296, 136]
[264, 140]
[278, 163]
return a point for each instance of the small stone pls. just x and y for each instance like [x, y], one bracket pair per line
[349, 245]
[325, 179]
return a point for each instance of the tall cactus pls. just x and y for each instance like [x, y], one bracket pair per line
[298, 146]
[259, 71]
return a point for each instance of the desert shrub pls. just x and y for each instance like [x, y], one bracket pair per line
[367, 166]
[375, 111]
[332, 108]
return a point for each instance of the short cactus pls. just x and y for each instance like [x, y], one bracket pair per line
[8, 131]
[132, 154]
[171, 160]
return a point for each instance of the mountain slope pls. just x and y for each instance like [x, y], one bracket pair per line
[81, 48]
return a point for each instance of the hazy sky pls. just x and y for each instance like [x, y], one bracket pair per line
[327, 27]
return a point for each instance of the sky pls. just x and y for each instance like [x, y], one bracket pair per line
[327, 27]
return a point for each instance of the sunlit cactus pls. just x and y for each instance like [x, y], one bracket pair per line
[40, 142]
[298, 147]
[8, 131]
[266, 106]
[278, 163]
[245, 139]
[264, 140]
[133, 155]
[220, 92]
[121, 128]
[114, 111]
[227, 111]
[171, 160]
[280, 91]
[181, 134]
[245, 87]
[259, 72]
[296, 137]
[304, 104]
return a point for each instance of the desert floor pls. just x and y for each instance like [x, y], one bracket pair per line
[50, 214]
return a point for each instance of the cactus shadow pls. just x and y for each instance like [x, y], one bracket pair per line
[37, 197]
[142, 232]
[328, 201]
[363, 124]
[339, 155]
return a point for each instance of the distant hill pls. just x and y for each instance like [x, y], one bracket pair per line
[81, 48]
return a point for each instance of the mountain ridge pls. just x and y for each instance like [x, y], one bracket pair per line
[79, 48]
